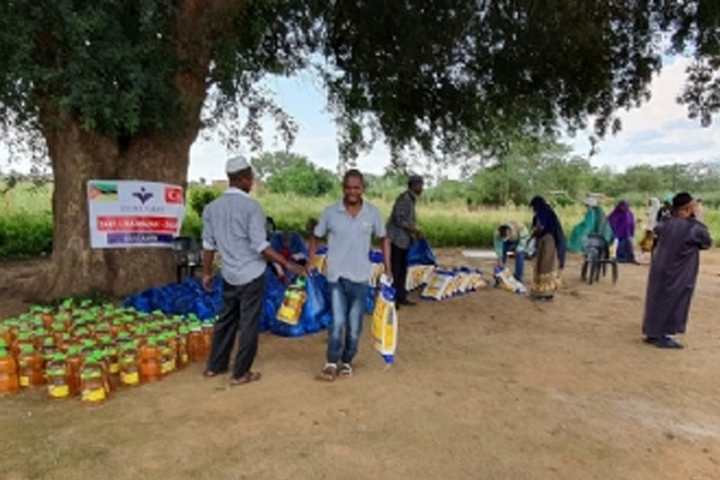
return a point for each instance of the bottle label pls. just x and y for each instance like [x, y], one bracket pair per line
[184, 358]
[94, 395]
[130, 378]
[114, 368]
[165, 367]
[24, 381]
[59, 391]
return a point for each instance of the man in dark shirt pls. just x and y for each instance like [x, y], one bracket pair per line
[402, 230]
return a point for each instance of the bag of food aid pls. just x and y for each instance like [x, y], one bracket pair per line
[319, 261]
[293, 303]
[377, 260]
[420, 253]
[476, 280]
[417, 276]
[437, 287]
[508, 282]
[315, 305]
[385, 322]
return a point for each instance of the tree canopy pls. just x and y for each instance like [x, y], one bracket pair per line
[417, 71]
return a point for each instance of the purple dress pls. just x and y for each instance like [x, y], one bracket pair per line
[673, 275]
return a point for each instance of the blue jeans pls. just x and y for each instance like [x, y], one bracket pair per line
[519, 259]
[348, 307]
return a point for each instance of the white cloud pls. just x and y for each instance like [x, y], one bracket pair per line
[658, 132]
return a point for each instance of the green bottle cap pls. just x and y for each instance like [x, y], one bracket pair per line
[27, 348]
[49, 342]
[3, 343]
[73, 351]
[3, 353]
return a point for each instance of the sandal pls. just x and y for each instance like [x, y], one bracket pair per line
[249, 377]
[345, 370]
[210, 374]
[329, 372]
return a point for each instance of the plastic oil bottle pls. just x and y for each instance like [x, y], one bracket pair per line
[30, 367]
[58, 377]
[49, 348]
[9, 381]
[92, 388]
[150, 361]
[195, 342]
[207, 331]
[183, 358]
[74, 364]
[129, 372]
[167, 355]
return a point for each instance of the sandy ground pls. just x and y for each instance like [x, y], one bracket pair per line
[489, 386]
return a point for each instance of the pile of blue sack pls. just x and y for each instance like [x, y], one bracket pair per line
[189, 297]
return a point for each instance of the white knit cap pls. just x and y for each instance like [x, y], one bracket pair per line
[591, 201]
[235, 164]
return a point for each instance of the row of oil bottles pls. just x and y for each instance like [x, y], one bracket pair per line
[92, 352]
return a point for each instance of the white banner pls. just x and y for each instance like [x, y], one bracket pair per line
[127, 214]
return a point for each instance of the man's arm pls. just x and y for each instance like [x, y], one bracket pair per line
[320, 231]
[209, 247]
[312, 248]
[259, 243]
[208, 258]
[385, 242]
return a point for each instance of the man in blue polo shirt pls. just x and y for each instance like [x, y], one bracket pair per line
[349, 226]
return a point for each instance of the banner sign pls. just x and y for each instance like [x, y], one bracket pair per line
[127, 214]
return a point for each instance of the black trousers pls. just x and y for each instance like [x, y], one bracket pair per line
[241, 314]
[398, 259]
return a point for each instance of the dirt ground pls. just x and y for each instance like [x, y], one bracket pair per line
[488, 386]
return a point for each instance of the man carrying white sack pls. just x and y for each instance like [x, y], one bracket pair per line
[349, 226]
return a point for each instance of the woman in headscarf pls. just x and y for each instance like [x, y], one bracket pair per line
[622, 222]
[646, 244]
[593, 223]
[550, 248]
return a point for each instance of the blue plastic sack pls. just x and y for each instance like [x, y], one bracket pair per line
[420, 253]
[297, 244]
[376, 256]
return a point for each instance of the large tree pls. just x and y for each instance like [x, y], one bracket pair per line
[117, 88]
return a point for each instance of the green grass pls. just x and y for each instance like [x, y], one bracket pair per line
[26, 221]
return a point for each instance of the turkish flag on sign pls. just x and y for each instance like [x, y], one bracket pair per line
[173, 195]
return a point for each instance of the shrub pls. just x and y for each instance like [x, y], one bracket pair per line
[200, 197]
[23, 235]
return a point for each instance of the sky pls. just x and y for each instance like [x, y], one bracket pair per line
[657, 133]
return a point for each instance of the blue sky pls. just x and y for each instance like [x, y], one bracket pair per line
[657, 133]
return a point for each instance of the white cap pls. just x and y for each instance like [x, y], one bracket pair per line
[591, 201]
[235, 164]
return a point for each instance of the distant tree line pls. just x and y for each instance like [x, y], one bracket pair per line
[526, 169]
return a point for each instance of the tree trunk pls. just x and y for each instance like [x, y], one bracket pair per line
[78, 156]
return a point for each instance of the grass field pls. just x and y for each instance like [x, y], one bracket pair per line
[26, 219]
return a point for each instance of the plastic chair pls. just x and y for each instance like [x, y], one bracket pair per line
[597, 259]
[187, 256]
